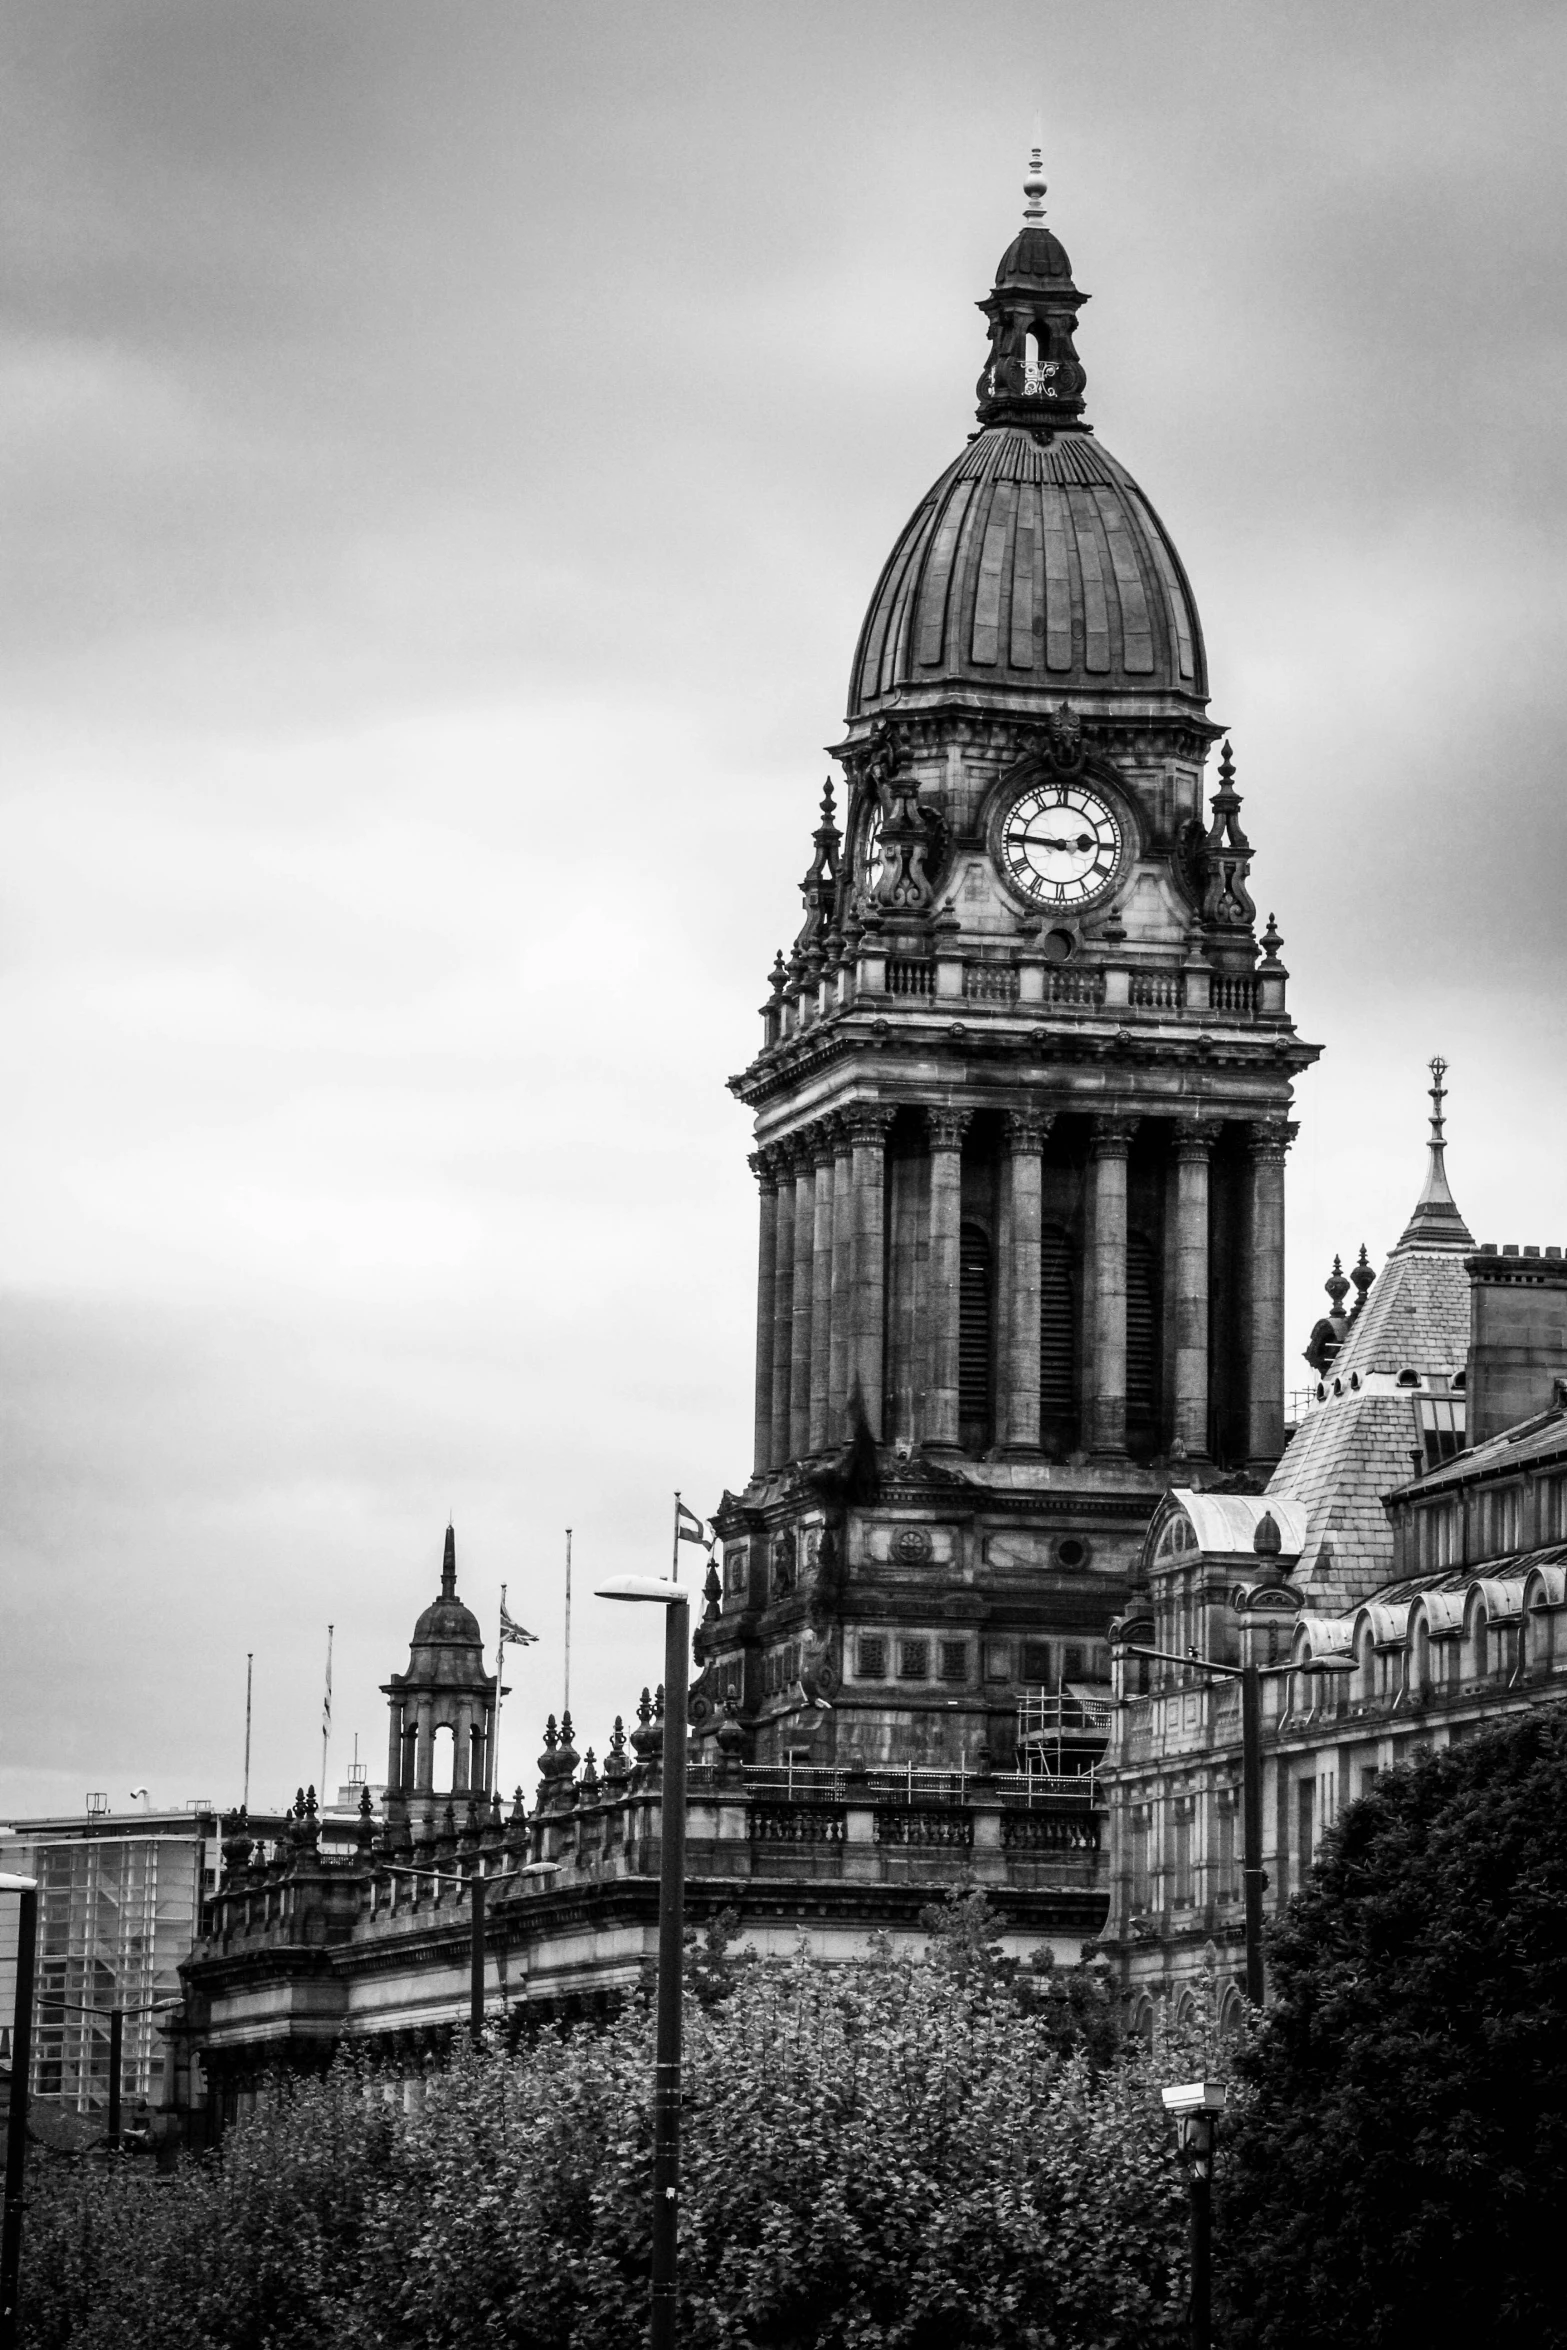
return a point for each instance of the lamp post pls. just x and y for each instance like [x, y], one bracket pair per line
[676, 1604]
[1197, 2106]
[16, 2127]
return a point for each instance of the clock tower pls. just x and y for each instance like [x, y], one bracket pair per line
[1022, 1108]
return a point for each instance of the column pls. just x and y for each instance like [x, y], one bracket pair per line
[1266, 1143]
[823, 1156]
[1018, 1417]
[783, 1303]
[424, 1752]
[766, 1174]
[803, 1289]
[868, 1124]
[462, 1746]
[394, 1748]
[842, 1281]
[1104, 1382]
[1193, 1146]
[946, 1129]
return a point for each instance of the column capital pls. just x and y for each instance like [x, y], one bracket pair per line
[1026, 1130]
[946, 1128]
[1195, 1137]
[866, 1123]
[1270, 1138]
[1111, 1137]
[764, 1166]
[822, 1142]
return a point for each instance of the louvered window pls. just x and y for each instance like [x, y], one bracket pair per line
[974, 1287]
[1057, 1329]
[1142, 1333]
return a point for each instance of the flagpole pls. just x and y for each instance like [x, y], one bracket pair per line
[250, 1658]
[674, 1563]
[326, 1714]
[493, 1771]
[566, 1698]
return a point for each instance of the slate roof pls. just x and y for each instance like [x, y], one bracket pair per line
[1532, 1440]
[1355, 1445]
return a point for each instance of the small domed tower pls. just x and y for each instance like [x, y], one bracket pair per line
[445, 1688]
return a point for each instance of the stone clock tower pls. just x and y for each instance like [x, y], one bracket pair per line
[1021, 1112]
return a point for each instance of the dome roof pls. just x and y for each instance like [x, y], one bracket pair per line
[1035, 257]
[447, 1623]
[1035, 565]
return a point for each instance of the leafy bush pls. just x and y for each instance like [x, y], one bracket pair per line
[1404, 2137]
[881, 2154]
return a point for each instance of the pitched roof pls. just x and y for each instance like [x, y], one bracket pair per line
[1354, 1445]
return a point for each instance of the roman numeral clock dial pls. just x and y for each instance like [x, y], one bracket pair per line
[1061, 845]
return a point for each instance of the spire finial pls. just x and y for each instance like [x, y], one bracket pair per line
[1436, 1218]
[1034, 182]
[449, 1565]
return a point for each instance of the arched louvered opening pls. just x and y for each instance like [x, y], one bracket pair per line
[1142, 1337]
[975, 1289]
[1058, 1294]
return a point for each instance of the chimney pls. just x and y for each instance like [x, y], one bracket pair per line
[1517, 1336]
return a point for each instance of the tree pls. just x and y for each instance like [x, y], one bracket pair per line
[881, 2156]
[1403, 2139]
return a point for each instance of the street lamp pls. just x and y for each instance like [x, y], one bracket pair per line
[16, 2127]
[676, 1604]
[1196, 2106]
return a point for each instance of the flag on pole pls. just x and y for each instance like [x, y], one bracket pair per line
[326, 1702]
[512, 1630]
[689, 1527]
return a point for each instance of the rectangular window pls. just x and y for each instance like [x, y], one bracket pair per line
[913, 1660]
[1305, 1825]
[1072, 1664]
[1228, 1883]
[998, 1662]
[1036, 1661]
[1369, 1775]
[954, 1660]
[734, 1570]
[870, 1658]
[1184, 1808]
[1140, 1889]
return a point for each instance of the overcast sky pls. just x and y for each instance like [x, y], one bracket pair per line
[448, 451]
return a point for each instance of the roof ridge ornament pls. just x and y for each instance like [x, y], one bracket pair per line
[1034, 184]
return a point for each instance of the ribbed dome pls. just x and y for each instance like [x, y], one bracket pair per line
[447, 1623]
[1035, 257]
[1034, 566]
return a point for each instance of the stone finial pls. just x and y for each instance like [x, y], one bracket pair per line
[712, 1595]
[1271, 941]
[449, 1565]
[1337, 1286]
[617, 1770]
[1362, 1276]
[1034, 188]
[1266, 1540]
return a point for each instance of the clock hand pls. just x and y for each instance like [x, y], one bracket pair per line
[1043, 840]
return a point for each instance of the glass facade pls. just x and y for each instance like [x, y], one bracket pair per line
[118, 1910]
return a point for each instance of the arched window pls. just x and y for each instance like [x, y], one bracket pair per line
[1057, 1335]
[445, 1748]
[974, 1349]
[1142, 1333]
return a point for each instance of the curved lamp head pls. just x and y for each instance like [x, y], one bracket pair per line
[649, 1587]
[10, 1884]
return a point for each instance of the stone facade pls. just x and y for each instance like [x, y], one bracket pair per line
[1444, 1613]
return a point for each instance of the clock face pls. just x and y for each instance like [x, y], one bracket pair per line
[1061, 844]
[870, 848]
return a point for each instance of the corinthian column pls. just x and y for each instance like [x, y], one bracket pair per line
[841, 1313]
[821, 1286]
[766, 1174]
[868, 1124]
[1266, 1143]
[783, 1302]
[1104, 1385]
[1193, 1145]
[803, 1287]
[946, 1129]
[1020, 1274]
